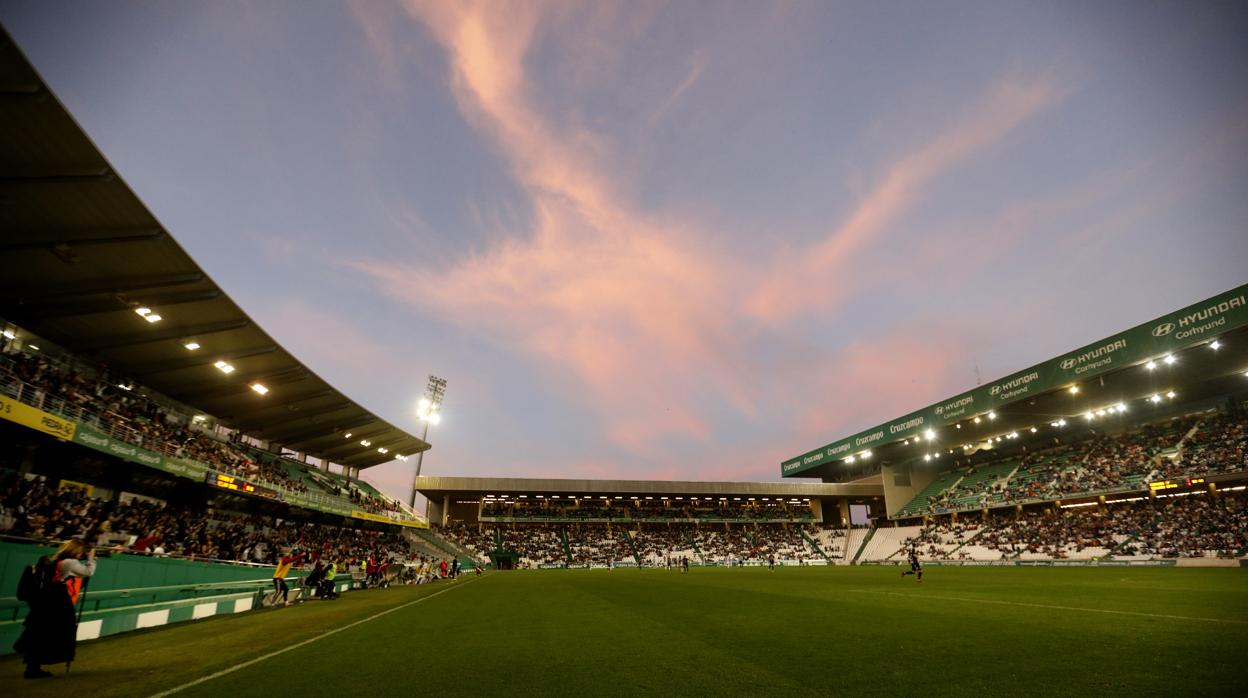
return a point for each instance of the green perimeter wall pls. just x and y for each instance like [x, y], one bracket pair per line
[127, 571]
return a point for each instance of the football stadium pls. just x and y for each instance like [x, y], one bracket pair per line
[1075, 527]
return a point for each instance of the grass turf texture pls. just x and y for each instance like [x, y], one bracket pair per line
[811, 631]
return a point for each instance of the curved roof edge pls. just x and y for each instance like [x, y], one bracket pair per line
[83, 254]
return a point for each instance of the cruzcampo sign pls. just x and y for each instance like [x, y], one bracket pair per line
[98, 440]
[1169, 333]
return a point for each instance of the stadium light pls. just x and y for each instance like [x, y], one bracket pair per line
[1121, 407]
[1215, 345]
[1088, 416]
[866, 454]
[32, 347]
[977, 420]
[992, 415]
[1033, 430]
[936, 454]
[1170, 394]
[927, 456]
[1151, 365]
[1169, 359]
[224, 367]
[1074, 390]
[10, 334]
[143, 311]
[191, 345]
[429, 411]
[1155, 398]
[152, 318]
[347, 435]
[260, 388]
[957, 426]
[382, 450]
[850, 459]
[929, 435]
[366, 443]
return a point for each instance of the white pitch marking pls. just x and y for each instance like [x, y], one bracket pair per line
[297, 645]
[1059, 608]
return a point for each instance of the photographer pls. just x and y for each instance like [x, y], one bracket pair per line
[51, 589]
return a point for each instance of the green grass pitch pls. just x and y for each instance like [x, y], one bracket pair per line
[794, 631]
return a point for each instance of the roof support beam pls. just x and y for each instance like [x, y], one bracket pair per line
[203, 359]
[113, 286]
[137, 338]
[325, 430]
[35, 240]
[46, 172]
[48, 311]
[214, 389]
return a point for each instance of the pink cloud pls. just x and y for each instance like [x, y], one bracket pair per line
[643, 320]
[813, 279]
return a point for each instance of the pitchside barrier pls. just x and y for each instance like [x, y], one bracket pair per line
[634, 565]
[131, 592]
[1030, 563]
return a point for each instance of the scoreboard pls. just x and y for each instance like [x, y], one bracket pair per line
[238, 484]
[1162, 485]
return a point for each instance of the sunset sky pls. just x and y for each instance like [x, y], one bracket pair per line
[671, 240]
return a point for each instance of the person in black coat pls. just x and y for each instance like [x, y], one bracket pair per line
[51, 630]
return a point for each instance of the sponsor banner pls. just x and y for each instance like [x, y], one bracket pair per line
[380, 518]
[36, 419]
[92, 438]
[1030, 563]
[1200, 322]
[184, 467]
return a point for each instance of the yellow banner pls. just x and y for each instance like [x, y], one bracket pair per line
[39, 420]
[83, 487]
[368, 516]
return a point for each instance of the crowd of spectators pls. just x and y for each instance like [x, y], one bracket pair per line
[31, 508]
[656, 509]
[1195, 525]
[130, 414]
[1101, 463]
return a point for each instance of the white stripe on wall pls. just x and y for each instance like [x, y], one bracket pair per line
[242, 605]
[152, 619]
[204, 610]
[89, 630]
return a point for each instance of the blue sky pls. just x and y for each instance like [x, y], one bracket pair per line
[672, 240]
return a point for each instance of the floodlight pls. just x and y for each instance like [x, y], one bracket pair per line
[992, 415]
[152, 317]
[1215, 345]
[259, 388]
[191, 346]
[1170, 394]
[1168, 359]
[1151, 365]
[143, 311]
[1074, 390]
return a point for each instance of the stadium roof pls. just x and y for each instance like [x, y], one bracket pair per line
[1129, 369]
[433, 487]
[82, 254]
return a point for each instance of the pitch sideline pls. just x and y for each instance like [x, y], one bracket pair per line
[297, 645]
[1049, 606]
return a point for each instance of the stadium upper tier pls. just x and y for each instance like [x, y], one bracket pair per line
[1197, 353]
[88, 267]
[1089, 461]
[73, 401]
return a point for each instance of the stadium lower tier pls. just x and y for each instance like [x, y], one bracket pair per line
[1196, 524]
[1090, 461]
[1192, 525]
[35, 509]
[535, 545]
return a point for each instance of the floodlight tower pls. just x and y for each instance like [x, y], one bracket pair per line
[429, 411]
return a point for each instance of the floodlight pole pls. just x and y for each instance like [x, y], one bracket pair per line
[435, 393]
